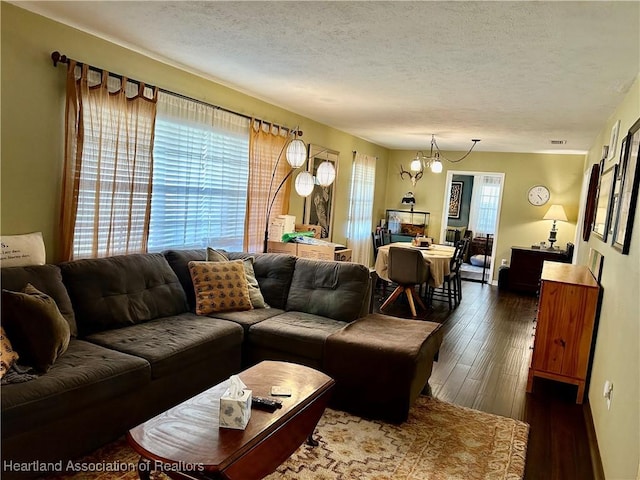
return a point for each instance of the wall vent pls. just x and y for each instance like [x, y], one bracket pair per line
[558, 142]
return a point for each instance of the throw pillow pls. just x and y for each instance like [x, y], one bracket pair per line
[8, 356]
[220, 286]
[214, 255]
[21, 250]
[478, 260]
[257, 300]
[39, 332]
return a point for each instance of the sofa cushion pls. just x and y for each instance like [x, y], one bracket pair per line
[257, 300]
[8, 356]
[274, 272]
[297, 333]
[47, 279]
[179, 262]
[40, 333]
[172, 344]
[123, 290]
[85, 375]
[248, 318]
[220, 286]
[337, 290]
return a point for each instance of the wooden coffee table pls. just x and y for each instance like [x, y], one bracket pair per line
[186, 441]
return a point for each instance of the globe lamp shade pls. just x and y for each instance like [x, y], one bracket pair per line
[296, 153]
[304, 184]
[326, 174]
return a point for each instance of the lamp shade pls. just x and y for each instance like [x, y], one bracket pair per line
[555, 212]
[326, 173]
[296, 153]
[416, 165]
[304, 184]
[436, 165]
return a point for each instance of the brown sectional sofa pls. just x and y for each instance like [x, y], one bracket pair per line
[140, 349]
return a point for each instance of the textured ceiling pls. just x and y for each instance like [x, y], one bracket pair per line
[514, 74]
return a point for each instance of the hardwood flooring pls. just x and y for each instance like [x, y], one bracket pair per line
[483, 364]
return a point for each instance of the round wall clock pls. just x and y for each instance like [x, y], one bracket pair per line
[538, 195]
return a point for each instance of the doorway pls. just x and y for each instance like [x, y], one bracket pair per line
[474, 212]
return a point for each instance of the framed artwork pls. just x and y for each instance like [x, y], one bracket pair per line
[455, 199]
[320, 205]
[595, 263]
[613, 141]
[617, 185]
[628, 196]
[590, 206]
[603, 202]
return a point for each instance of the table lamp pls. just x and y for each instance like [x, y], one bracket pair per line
[555, 213]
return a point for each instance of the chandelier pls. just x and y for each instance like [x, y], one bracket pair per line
[431, 161]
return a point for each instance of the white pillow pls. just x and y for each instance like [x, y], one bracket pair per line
[478, 260]
[21, 250]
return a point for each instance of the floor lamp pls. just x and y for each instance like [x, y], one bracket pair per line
[295, 152]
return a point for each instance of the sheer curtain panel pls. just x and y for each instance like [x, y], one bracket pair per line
[484, 204]
[108, 162]
[201, 165]
[363, 179]
[267, 142]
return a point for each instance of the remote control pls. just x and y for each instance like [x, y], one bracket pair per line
[268, 404]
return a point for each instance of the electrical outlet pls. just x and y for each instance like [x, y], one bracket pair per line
[607, 391]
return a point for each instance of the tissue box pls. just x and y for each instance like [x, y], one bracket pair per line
[235, 412]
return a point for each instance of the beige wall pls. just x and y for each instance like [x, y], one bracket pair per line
[32, 120]
[521, 223]
[32, 131]
[617, 352]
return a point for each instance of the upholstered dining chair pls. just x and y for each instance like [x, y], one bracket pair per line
[408, 268]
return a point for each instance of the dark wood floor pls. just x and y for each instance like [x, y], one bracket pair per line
[483, 364]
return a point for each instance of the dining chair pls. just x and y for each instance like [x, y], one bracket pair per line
[408, 268]
[376, 239]
[451, 289]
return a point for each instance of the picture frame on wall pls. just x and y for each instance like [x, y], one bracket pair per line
[613, 141]
[596, 261]
[455, 200]
[320, 205]
[603, 202]
[617, 185]
[628, 196]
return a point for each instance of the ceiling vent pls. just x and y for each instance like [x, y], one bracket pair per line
[558, 142]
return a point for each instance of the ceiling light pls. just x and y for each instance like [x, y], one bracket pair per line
[431, 161]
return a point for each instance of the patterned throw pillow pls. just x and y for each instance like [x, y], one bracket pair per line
[7, 355]
[255, 294]
[39, 332]
[220, 286]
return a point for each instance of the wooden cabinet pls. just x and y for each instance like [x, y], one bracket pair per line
[565, 325]
[526, 266]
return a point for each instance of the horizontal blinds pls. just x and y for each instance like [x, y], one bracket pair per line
[201, 166]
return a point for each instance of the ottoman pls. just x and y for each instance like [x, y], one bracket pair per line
[381, 364]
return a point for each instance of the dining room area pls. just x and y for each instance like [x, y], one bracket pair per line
[418, 273]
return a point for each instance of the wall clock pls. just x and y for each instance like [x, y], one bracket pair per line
[538, 195]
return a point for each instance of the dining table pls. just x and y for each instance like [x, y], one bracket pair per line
[438, 257]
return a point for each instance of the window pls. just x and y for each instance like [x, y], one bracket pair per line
[363, 181]
[200, 171]
[484, 207]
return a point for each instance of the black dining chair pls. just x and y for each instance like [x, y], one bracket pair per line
[451, 290]
[408, 268]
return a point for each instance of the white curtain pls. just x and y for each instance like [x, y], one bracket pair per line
[363, 179]
[484, 204]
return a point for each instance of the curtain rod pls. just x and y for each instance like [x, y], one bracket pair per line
[57, 57]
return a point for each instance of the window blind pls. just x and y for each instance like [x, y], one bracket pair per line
[200, 171]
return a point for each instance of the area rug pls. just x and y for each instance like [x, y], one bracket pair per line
[440, 441]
